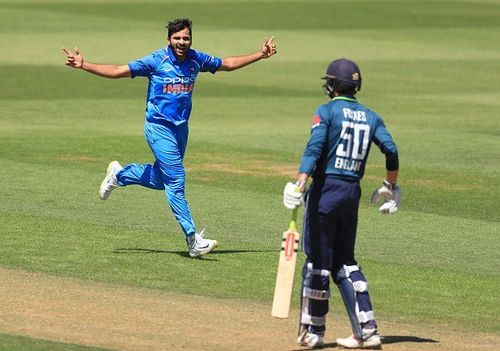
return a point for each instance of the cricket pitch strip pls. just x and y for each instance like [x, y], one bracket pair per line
[121, 318]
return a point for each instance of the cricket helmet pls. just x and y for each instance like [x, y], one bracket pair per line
[344, 70]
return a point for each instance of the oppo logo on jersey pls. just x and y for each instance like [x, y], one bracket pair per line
[179, 80]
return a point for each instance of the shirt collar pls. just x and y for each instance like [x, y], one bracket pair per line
[345, 98]
[171, 55]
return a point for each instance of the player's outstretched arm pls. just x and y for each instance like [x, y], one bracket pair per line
[75, 60]
[232, 63]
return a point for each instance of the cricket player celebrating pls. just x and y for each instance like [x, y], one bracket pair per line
[171, 72]
[335, 157]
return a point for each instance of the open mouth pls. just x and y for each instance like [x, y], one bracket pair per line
[181, 49]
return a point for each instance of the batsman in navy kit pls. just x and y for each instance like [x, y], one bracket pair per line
[342, 133]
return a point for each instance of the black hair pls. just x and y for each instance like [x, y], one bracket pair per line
[339, 86]
[179, 24]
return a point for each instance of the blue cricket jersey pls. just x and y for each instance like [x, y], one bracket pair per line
[340, 140]
[171, 82]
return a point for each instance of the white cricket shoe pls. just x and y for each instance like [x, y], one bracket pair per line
[198, 245]
[371, 340]
[306, 338]
[109, 183]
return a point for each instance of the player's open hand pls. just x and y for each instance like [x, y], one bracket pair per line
[73, 59]
[268, 47]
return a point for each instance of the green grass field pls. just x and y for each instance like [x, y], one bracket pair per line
[430, 68]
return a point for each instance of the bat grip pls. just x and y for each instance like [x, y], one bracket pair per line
[293, 222]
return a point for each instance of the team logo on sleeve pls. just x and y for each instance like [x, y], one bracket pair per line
[316, 121]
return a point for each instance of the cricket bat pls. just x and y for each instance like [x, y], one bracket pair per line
[286, 270]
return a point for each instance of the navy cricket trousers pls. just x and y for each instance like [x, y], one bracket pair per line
[330, 223]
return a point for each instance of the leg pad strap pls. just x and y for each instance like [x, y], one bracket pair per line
[312, 320]
[316, 294]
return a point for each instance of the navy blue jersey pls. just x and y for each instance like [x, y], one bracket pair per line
[341, 136]
[171, 82]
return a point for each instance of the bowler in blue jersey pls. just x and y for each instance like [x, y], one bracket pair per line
[171, 72]
[335, 157]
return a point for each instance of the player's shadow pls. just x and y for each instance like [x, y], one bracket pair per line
[394, 339]
[388, 339]
[183, 253]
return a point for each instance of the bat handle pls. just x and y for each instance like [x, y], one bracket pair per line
[293, 222]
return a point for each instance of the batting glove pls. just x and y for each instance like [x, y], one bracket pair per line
[391, 194]
[293, 195]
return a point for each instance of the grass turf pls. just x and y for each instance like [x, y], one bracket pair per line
[427, 68]
[22, 343]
